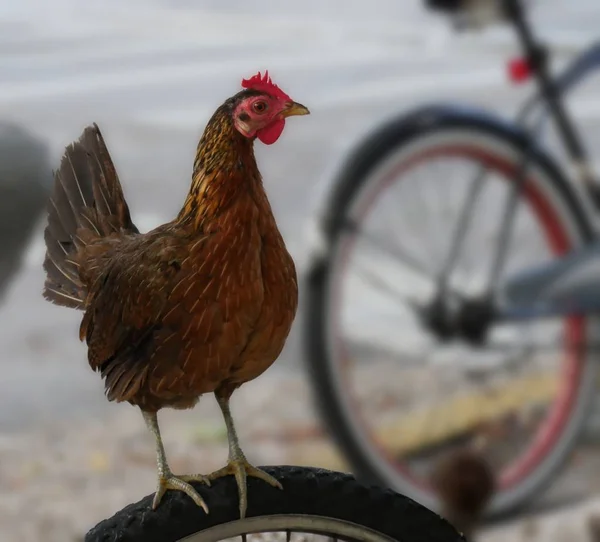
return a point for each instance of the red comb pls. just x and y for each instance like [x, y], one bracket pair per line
[264, 84]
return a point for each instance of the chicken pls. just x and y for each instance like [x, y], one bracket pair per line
[199, 305]
[465, 484]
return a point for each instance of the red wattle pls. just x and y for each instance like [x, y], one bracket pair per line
[269, 134]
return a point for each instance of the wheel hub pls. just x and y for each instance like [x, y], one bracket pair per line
[470, 319]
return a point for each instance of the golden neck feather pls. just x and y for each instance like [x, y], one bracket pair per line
[224, 168]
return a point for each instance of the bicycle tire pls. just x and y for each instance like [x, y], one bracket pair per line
[375, 148]
[307, 492]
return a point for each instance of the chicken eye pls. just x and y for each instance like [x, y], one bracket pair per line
[259, 107]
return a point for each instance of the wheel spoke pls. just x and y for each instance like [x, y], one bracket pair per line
[506, 227]
[398, 254]
[426, 200]
[463, 223]
[379, 284]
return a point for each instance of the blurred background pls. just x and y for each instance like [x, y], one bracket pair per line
[150, 73]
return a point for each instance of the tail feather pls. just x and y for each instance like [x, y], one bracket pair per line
[87, 203]
[107, 192]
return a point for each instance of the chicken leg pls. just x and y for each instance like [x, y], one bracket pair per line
[166, 479]
[238, 464]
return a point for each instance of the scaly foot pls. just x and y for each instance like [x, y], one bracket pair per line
[241, 469]
[180, 483]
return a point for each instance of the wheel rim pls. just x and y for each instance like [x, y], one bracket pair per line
[287, 525]
[559, 240]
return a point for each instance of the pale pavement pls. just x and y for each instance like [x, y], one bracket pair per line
[150, 73]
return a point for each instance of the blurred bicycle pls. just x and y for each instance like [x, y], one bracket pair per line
[454, 283]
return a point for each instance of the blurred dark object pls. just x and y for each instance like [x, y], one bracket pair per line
[465, 483]
[25, 181]
[453, 6]
[449, 6]
[473, 14]
[594, 528]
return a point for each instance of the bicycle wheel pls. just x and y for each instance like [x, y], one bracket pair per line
[397, 391]
[313, 501]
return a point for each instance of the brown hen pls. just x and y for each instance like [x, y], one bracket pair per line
[198, 305]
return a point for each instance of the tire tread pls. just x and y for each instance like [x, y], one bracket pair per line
[305, 491]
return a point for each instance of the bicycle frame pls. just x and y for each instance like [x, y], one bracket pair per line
[570, 285]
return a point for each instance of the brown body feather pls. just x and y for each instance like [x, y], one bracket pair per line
[201, 304]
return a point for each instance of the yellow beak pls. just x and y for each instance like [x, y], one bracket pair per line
[294, 109]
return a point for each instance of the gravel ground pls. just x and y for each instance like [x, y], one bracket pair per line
[571, 524]
[60, 480]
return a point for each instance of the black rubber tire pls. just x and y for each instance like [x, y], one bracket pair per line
[369, 154]
[308, 491]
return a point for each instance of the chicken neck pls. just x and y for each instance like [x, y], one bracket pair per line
[224, 169]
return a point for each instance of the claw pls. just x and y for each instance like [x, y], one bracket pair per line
[180, 483]
[241, 469]
[195, 478]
